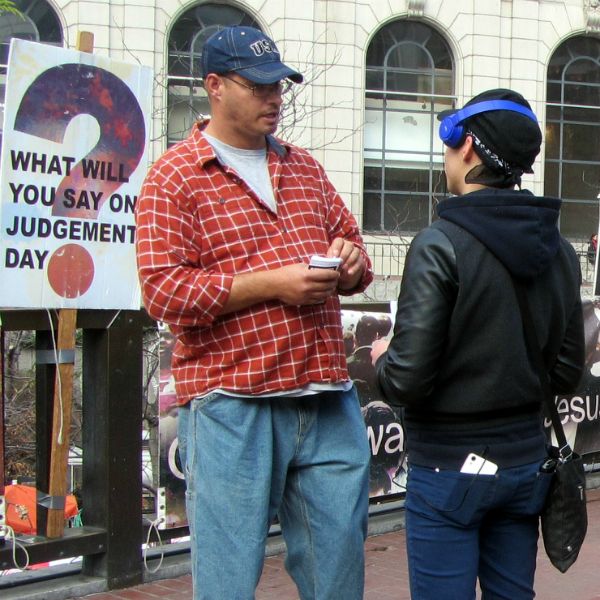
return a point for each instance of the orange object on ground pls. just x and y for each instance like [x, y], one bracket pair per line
[21, 508]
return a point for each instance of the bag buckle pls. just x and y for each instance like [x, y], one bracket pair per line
[562, 456]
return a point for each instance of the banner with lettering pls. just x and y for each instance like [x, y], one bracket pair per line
[74, 155]
[382, 425]
[384, 432]
[580, 413]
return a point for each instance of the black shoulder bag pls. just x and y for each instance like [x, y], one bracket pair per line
[564, 517]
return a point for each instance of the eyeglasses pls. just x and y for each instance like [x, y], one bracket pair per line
[262, 90]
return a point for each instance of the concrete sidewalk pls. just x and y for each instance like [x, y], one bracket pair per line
[386, 573]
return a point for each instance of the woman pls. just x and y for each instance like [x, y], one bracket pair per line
[459, 367]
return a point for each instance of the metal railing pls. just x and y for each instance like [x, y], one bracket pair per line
[112, 359]
[388, 257]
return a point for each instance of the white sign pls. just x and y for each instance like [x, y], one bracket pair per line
[74, 155]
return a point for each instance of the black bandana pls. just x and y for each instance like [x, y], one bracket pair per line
[495, 171]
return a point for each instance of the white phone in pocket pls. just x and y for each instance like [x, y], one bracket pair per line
[477, 465]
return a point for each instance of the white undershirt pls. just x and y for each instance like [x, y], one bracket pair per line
[250, 165]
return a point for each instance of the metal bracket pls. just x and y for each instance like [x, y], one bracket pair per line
[50, 357]
[51, 502]
[161, 507]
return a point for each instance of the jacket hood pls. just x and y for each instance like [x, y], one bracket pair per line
[520, 229]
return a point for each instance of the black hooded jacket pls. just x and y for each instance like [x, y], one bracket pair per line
[458, 363]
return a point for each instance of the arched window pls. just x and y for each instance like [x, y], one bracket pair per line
[186, 96]
[572, 164]
[409, 79]
[37, 23]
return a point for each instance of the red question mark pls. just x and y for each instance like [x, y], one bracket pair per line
[54, 98]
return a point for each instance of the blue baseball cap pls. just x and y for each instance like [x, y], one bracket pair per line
[247, 51]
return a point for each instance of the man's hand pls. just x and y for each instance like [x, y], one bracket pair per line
[298, 285]
[294, 284]
[353, 263]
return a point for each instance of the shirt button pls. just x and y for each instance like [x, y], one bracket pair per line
[221, 200]
[283, 230]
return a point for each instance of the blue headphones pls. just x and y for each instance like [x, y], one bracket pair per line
[452, 133]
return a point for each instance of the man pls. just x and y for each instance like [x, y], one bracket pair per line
[459, 365]
[269, 422]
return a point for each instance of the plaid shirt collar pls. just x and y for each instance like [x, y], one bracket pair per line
[207, 154]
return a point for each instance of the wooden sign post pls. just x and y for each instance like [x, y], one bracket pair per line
[63, 395]
[61, 422]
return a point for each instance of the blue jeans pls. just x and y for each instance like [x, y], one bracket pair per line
[248, 460]
[460, 527]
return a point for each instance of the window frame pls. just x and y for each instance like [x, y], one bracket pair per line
[562, 115]
[186, 100]
[420, 105]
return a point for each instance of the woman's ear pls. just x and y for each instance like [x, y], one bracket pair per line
[466, 149]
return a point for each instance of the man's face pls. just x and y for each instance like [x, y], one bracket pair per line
[252, 109]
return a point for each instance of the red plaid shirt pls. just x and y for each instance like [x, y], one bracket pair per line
[199, 224]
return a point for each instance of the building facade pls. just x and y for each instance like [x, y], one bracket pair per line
[377, 72]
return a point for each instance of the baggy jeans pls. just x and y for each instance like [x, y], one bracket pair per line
[247, 460]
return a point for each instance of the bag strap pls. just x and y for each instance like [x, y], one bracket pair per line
[564, 450]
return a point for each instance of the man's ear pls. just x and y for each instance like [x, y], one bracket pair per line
[212, 85]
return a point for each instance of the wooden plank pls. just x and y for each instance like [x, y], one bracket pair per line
[37, 320]
[61, 423]
[78, 541]
[85, 41]
[112, 447]
[45, 373]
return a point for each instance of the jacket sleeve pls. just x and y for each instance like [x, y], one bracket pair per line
[569, 365]
[407, 371]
